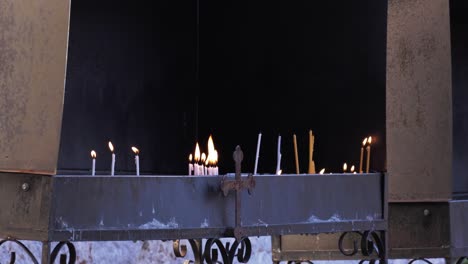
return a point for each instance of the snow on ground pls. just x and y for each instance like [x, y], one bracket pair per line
[143, 252]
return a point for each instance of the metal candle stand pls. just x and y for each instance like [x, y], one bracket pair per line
[47, 208]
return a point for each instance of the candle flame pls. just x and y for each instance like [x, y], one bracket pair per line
[207, 162]
[93, 154]
[135, 150]
[111, 147]
[203, 157]
[215, 157]
[197, 153]
[279, 172]
[211, 147]
[190, 157]
[369, 140]
[364, 142]
[352, 168]
[345, 167]
[322, 171]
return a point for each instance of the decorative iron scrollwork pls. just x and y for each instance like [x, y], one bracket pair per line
[420, 259]
[25, 249]
[63, 257]
[215, 251]
[462, 259]
[369, 242]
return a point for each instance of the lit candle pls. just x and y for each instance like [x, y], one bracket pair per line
[211, 156]
[345, 167]
[203, 168]
[93, 169]
[190, 165]
[137, 160]
[215, 160]
[369, 140]
[364, 142]
[296, 156]
[196, 169]
[111, 147]
[278, 163]
[207, 166]
[322, 171]
[311, 153]
[258, 152]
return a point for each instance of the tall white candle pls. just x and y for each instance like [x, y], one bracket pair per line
[196, 170]
[111, 147]
[278, 164]
[137, 160]
[258, 153]
[190, 165]
[93, 169]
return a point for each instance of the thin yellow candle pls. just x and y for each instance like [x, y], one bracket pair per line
[311, 153]
[364, 142]
[295, 153]
[368, 154]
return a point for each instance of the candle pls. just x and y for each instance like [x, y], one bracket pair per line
[93, 169]
[258, 152]
[364, 142]
[296, 156]
[207, 166]
[369, 140]
[345, 167]
[278, 164]
[190, 165]
[137, 160]
[196, 169]
[111, 147]
[203, 168]
[215, 160]
[311, 153]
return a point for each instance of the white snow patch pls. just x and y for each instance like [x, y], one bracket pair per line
[205, 224]
[155, 224]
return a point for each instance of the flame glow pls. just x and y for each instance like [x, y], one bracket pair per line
[345, 167]
[197, 153]
[111, 147]
[364, 142]
[203, 157]
[369, 140]
[352, 168]
[322, 171]
[190, 157]
[93, 154]
[215, 157]
[135, 150]
[211, 147]
[279, 172]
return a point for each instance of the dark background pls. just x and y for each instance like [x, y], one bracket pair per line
[459, 39]
[150, 75]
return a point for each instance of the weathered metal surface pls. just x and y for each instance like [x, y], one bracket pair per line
[33, 49]
[172, 207]
[419, 230]
[459, 228]
[25, 205]
[322, 246]
[419, 101]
